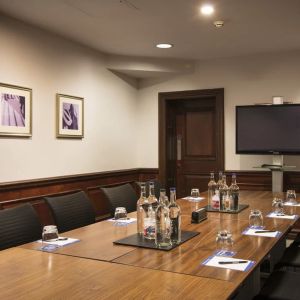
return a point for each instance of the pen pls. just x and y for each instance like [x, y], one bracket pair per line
[264, 231]
[232, 262]
[62, 238]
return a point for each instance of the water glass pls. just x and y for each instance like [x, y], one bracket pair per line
[120, 213]
[291, 197]
[224, 240]
[255, 218]
[195, 193]
[277, 205]
[50, 233]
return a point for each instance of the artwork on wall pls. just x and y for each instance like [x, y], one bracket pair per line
[15, 110]
[69, 116]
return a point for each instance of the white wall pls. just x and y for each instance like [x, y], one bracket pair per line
[121, 123]
[246, 80]
[49, 64]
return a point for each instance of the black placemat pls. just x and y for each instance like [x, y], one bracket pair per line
[241, 207]
[139, 241]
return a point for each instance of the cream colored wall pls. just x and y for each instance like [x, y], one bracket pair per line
[48, 64]
[121, 123]
[246, 80]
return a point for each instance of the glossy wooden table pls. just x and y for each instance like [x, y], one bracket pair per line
[27, 274]
[96, 242]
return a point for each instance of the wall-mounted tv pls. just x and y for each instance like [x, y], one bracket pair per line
[268, 129]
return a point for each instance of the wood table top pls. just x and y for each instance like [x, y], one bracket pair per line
[96, 242]
[261, 200]
[27, 274]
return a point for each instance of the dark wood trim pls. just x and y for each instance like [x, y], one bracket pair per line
[33, 191]
[164, 98]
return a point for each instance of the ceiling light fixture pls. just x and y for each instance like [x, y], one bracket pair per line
[164, 46]
[207, 9]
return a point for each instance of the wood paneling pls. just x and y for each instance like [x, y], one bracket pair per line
[33, 191]
[200, 134]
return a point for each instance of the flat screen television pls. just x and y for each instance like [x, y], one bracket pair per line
[268, 129]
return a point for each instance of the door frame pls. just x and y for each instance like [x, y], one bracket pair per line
[165, 100]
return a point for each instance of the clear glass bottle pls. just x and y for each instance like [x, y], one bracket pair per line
[151, 198]
[216, 200]
[234, 192]
[175, 217]
[212, 185]
[163, 223]
[219, 183]
[227, 202]
[223, 192]
[140, 209]
[162, 193]
[149, 221]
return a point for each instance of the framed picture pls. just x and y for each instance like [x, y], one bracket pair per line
[69, 116]
[15, 110]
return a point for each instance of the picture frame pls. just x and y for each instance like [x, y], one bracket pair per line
[15, 110]
[69, 116]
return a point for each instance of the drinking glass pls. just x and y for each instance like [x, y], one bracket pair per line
[277, 205]
[291, 197]
[255, 218]
[224, 240]
[120, 213]
[50, 233]
[195, 193]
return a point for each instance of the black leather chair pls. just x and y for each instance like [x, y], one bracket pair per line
[291, 258]
[19, 225]
[281, 286]
[121, 196]
[71, 211]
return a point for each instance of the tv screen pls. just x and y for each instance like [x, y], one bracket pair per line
[268, 129]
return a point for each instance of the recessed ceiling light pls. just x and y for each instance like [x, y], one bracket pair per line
[164, 45]
[207, 9]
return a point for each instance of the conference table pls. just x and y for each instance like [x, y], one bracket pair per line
[96, 268]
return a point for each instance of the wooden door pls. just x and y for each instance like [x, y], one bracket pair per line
[191, 138]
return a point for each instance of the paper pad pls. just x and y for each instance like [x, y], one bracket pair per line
[213, 261]
[251, 231]
[274, 215]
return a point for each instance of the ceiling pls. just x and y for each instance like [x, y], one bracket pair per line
[133, 27]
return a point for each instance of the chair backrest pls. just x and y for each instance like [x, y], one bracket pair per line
[19, 225]
[71, 211]
[121, 196]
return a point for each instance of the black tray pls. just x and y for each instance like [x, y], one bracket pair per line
[139, 241]
[241, 207]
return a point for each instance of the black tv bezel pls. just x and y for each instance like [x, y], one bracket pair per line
[261, 152]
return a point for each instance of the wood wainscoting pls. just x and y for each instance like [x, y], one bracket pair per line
[33, 191]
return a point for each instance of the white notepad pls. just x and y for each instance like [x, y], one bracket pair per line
[290, 204]
[61, 243]
[274, 215]
[251, 231]
[213, 261]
